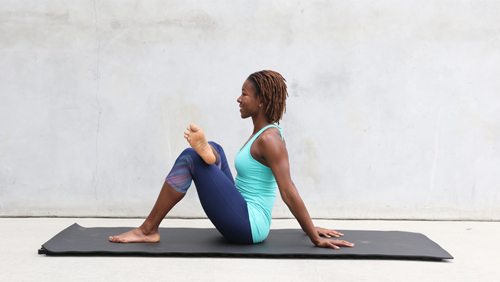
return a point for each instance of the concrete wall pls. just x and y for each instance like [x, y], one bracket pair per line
[394, 108]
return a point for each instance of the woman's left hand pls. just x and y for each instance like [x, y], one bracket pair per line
[334, 244]
[328, 232]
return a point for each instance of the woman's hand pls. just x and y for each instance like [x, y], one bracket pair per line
[328, 232]
[329, 243]
[334, 244]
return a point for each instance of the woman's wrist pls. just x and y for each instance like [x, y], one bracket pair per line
[315, 239]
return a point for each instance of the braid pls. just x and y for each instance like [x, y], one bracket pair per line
[271, 86]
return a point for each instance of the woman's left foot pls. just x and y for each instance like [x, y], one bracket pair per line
[136, 236]
[199, 143]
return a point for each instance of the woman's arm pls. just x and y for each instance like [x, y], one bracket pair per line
[274, 151]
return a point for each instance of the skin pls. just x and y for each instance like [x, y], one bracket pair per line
[269, 149]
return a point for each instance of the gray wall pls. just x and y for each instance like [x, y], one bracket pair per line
[394, 107]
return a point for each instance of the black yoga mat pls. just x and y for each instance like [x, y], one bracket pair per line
[207, 242]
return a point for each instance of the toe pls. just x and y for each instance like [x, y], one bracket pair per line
[194, 128]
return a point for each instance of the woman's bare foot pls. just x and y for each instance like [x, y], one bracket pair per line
[136, 236]
[199, 143]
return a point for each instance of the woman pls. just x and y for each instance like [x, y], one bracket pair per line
[241, 209]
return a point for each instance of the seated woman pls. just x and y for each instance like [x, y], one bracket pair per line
[240, 209]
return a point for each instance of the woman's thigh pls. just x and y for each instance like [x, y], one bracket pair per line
[221, 200]
[222, 164]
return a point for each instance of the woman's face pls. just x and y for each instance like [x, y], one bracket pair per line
[249, 105]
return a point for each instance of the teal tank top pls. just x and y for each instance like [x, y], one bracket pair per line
[256, 183]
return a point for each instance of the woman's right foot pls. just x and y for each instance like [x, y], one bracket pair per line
[136, 236]
[199, 143]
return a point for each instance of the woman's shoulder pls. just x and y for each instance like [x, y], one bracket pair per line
[270, 146]
[271, 132]
[271, 137]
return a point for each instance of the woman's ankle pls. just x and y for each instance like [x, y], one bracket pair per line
[147, 228]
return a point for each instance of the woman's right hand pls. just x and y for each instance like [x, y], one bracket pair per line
[334, 244]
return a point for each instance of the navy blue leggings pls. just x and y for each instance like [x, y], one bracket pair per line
[220, 199]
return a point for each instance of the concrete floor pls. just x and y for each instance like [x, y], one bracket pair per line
[475, 246]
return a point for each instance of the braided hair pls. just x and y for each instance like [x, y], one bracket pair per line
[271, 88]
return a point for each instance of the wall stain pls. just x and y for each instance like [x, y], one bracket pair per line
[196, 19]
[175, 115]
[490, 131]
[355, 119]
[309, 163]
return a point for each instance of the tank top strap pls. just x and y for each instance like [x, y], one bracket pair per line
[264, 129]
[250, 142]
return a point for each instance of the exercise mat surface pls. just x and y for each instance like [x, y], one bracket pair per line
[207, 242]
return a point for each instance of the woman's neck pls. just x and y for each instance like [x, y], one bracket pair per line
[260, 123]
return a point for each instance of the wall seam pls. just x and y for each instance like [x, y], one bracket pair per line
[98, 104]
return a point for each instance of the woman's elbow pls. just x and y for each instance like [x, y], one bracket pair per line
[289, 197]
[285, 198]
